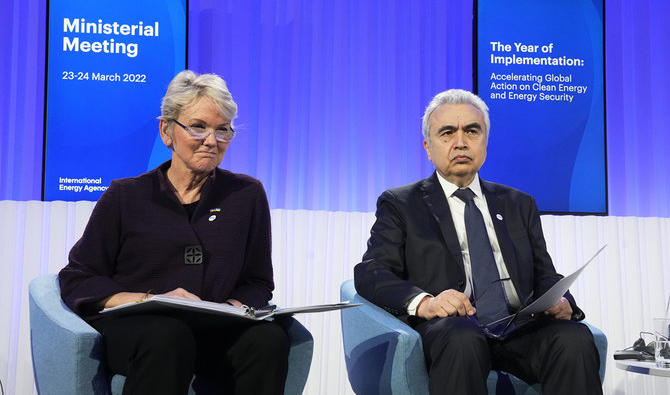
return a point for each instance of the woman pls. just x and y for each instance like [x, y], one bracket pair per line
[186, 229]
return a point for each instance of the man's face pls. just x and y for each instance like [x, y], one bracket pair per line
[457, 142]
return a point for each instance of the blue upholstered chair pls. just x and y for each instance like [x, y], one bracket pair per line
[385, 356]
[68, 354]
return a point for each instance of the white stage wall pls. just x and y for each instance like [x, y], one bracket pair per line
[314, 251]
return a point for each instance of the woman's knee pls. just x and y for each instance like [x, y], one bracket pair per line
[168, 337]
[269, 339]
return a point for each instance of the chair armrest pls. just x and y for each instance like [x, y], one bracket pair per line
[66, 351]
[381, 352]
[299, 355]
[600, 341]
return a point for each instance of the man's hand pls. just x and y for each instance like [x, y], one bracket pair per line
[561, 310]
[447, 303]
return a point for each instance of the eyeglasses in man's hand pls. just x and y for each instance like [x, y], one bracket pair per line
[499, 329]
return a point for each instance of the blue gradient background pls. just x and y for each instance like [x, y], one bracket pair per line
[108, 129]
[553, 150]
[637, 57]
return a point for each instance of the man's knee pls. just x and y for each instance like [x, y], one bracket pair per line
[457, 337]
[457, 355]
[573, 345]
[574, 338]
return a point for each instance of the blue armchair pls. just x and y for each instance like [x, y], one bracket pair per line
[68, 353]
[384, 355]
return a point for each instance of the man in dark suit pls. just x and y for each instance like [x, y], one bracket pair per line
[453, 255]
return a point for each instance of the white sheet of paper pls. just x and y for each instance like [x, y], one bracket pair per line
[556, 292]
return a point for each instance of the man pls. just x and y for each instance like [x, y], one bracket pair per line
[452, 255]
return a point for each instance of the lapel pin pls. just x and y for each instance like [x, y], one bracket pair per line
[499, 217]
[214, 210]
[212, 218]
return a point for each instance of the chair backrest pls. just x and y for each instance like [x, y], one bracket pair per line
[67, 352]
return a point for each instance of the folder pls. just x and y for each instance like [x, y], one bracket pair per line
[161, 304]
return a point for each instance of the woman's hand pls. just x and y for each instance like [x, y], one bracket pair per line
[123, 298]
[129, 297]
[181, 293]
[235, 302]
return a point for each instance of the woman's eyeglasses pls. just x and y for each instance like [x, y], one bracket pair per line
[222, 134]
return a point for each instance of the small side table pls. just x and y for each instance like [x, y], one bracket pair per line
[642, 367]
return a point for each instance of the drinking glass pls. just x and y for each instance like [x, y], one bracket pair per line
[662, 349]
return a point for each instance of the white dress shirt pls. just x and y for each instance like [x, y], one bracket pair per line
[457, 208]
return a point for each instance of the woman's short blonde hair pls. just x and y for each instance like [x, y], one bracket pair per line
[187, 87]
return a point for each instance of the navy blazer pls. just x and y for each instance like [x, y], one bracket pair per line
[413, 246]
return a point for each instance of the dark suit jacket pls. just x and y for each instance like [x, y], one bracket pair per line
[136, 237]
[413, 246]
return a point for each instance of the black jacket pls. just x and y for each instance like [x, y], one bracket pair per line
[413, 246]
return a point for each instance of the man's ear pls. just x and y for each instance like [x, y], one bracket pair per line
[427, 148]
[166, 135]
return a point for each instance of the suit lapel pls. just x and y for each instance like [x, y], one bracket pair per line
[433, 196]
[498, 215]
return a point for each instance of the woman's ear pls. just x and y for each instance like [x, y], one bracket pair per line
[166, 134]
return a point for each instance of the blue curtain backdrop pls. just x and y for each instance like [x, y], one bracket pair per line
[22, 56]
[324, 131]
[334, 121]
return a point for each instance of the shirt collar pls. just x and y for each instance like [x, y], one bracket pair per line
[450, 188]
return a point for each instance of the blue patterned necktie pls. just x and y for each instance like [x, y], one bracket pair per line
[489, 293]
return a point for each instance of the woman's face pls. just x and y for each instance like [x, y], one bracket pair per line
[188, 153]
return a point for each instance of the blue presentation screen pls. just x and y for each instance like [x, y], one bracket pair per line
[108, 66]
[540, 70]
